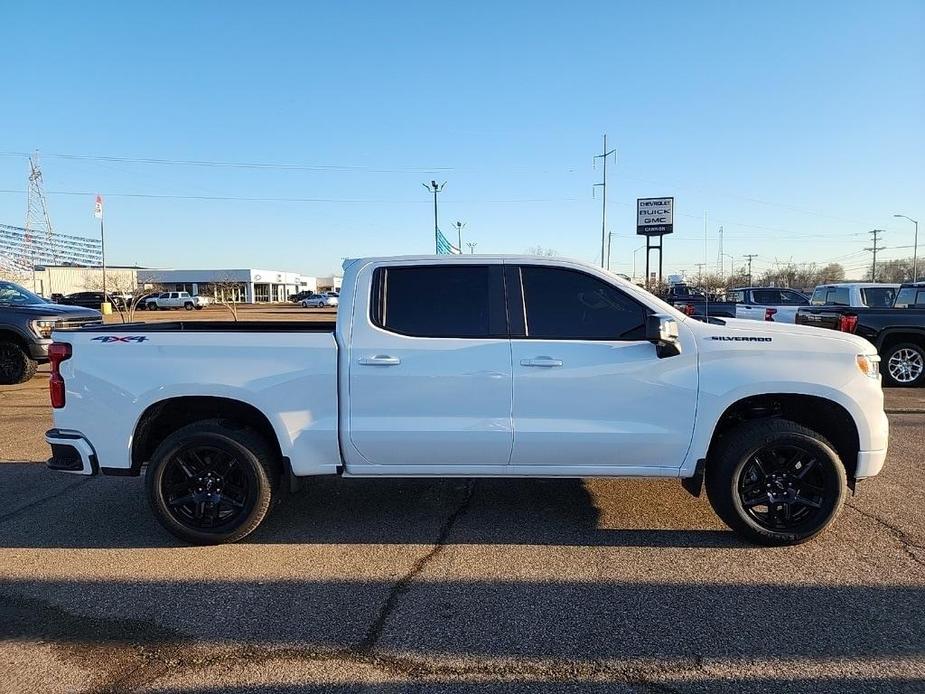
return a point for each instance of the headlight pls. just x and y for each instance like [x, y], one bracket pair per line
[43, 328]
[869, 364]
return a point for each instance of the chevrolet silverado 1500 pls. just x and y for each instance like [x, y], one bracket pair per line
[475, 366]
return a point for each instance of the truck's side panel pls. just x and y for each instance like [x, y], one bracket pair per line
[289, 376]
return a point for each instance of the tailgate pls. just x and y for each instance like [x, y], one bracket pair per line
[822, 317]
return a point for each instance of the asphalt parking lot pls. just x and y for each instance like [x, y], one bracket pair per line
[454, 586]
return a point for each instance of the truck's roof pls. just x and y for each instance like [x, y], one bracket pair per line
[859, 285]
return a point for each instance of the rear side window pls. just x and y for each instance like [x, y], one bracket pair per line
[767, 297]
[562, 304]
[465, 301]
[819, 296]
[910, 296]
[840, 296]
[878, 297]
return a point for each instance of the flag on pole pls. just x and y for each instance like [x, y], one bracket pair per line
[444, 247]
[98, 207]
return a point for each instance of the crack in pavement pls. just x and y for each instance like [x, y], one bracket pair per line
[901, 535]
[37, 502]
[404, 583]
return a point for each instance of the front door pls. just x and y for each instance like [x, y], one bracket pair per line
[589, 390]
[430, 370]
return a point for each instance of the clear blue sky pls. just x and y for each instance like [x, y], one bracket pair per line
[797, 126]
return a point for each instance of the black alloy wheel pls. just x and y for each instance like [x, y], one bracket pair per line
[206, 487]
[775, 482]
[784, 488]
[212, 481]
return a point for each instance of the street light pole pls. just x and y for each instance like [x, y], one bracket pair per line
[915, 246]
[459, 227]
[435, 189]
[634, 260]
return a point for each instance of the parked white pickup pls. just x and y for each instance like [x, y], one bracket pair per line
[168, 300]
[476, 366]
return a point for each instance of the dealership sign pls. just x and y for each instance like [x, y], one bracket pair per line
[654, 216]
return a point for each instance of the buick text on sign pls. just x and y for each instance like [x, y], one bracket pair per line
[654, 216]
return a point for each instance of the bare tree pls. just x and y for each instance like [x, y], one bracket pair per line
[124, 291]
[543, 252]
[898, 270]
[227, 292]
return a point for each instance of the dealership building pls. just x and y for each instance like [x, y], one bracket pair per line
[244, 285]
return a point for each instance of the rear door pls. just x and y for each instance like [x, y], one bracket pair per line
[429, 371]
[589, 390]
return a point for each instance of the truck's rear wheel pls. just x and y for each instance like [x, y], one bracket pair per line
[15, 365]
[188, 306]
[904, 365]
[209, 483]
[775, 482]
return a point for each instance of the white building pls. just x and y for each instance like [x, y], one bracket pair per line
[244, 285]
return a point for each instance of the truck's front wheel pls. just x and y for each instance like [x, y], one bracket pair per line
[210, 483]
[775, 482]
[15, 365]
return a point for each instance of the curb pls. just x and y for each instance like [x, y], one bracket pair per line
[904, 410]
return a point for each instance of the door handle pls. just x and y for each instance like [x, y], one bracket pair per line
[541, 361]
[379, 360]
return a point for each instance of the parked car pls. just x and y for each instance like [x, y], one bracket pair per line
[855, 294]
[297, 298]
[92, 300]
[898, 332]
[319, 301]
[474, 366]
[26, 322]
[174, 300]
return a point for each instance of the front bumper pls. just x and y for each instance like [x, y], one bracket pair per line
[71, 453]
[38, 349]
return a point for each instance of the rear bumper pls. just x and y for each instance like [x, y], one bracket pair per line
[71, 453]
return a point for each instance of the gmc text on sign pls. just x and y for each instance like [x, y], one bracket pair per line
[654, 216]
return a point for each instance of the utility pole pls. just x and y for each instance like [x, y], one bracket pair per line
[434, 188]
[700, 273]
[719, 253]
[472, 245]
[749, 256]
[459, 227]
[875, 233]
[603, 186]
[915, 247]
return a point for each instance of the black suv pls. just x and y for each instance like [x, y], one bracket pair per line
[26, 322]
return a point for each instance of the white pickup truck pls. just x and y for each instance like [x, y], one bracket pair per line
[473, 366]
[169, 300]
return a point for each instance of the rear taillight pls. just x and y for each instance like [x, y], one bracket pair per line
[847, 324]
[57, 353]
[769, 313]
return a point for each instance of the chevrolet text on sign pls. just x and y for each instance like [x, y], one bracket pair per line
[654, 216]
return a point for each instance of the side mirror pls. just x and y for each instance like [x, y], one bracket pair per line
[662, 331]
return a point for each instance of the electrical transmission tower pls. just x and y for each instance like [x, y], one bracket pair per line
[873, 269]
[38, 221]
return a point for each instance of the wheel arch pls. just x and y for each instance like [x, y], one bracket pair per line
[890, 338]
[820, 414]
[165, 416]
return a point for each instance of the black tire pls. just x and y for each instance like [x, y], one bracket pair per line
[754, 467]
[198, 308]
[15, 365]
[177, 472]
[188, 306]
[903, 365]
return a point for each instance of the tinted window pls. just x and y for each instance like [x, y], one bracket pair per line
[878, 297]
[440, 301]
[840, 296]
[910, 296]
[793, 298]
[570, 305]
[767, 297]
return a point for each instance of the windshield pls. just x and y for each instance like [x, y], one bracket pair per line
[14, 295]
